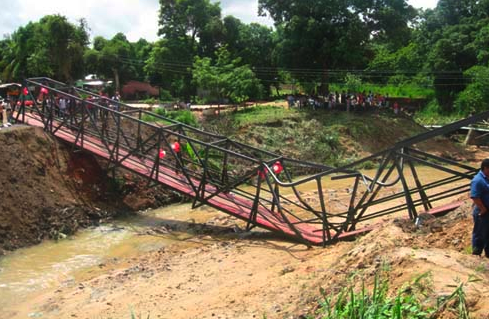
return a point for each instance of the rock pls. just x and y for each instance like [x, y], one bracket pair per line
[286, 270]
[276, 308]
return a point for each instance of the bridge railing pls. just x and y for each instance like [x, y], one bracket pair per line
[328, 200]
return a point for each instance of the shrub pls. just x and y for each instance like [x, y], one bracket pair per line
[165, 95]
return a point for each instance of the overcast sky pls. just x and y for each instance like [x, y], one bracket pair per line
[135, 18]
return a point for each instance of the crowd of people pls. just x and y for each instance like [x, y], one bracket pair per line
[57, 105]
[344, 101]
[62, 106]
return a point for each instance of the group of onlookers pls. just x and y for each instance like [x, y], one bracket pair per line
[62, 106]
[344, 101]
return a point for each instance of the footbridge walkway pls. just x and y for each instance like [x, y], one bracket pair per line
[260, 187]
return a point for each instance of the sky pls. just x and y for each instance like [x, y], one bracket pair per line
[135, 18]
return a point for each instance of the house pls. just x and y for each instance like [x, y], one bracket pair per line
[135, 90]
[10, 90]
[92, 83]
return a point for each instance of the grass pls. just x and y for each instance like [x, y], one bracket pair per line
[184, 116]
[432, 115]
[263, 115]
[133, 316]
[409, 302]
[331, 138]
[376, 303]
[424, 118]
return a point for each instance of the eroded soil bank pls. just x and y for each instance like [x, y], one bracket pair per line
[46, 191]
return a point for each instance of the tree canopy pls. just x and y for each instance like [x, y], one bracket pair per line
[51, 47]
[313, 44]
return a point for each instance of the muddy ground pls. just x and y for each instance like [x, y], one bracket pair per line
[228, 274]
[46, 191]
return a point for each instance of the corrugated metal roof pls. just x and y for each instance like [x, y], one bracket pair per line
[6, 85]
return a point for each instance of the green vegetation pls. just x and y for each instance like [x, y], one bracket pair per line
[226, 78]
[386, 47]
[433, 115]
[401, 90]
[414, 300]
[263, 115]
[184, 116]
[332, 138]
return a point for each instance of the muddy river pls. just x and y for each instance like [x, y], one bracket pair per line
[28, 271]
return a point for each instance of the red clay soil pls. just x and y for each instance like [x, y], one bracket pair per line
[46, 190]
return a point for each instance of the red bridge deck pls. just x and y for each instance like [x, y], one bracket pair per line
[227, 202]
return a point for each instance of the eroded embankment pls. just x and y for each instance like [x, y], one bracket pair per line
[47, 191]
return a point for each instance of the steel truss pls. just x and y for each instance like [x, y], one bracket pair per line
[238, 179]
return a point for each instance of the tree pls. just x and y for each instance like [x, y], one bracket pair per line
[112, 58]
[226, 78]
[254, 44]
[447, 35]
[316, 36]
[474, 97]
[188, 28]
[187, 20]
[141, 51]
[51, 47]
[168, 66]
[64, 45]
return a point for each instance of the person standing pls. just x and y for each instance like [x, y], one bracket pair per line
[479, 192]
[117, 99]
[8, 108]
[3, 113]
[396, 108]
[62, 107]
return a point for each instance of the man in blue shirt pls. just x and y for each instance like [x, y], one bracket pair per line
[479, 192]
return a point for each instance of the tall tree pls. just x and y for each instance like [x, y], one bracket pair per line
[254, 44]
[141, 53]
[51, 47]
[112, 58]
[226, 77]
[192, 26]
[186, 19]
[168, 67]
[451, 35]
[319, 35]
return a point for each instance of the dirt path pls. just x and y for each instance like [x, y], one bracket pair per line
[221, 279]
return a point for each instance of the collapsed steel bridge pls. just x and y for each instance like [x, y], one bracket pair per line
[244, 181]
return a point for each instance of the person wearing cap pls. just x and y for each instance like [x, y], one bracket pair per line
[479, 192]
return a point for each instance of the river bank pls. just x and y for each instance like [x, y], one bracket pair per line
[47, 191]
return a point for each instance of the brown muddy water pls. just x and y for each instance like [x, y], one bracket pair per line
[28, 271]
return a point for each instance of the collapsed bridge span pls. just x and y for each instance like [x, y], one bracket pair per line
[260, 187]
